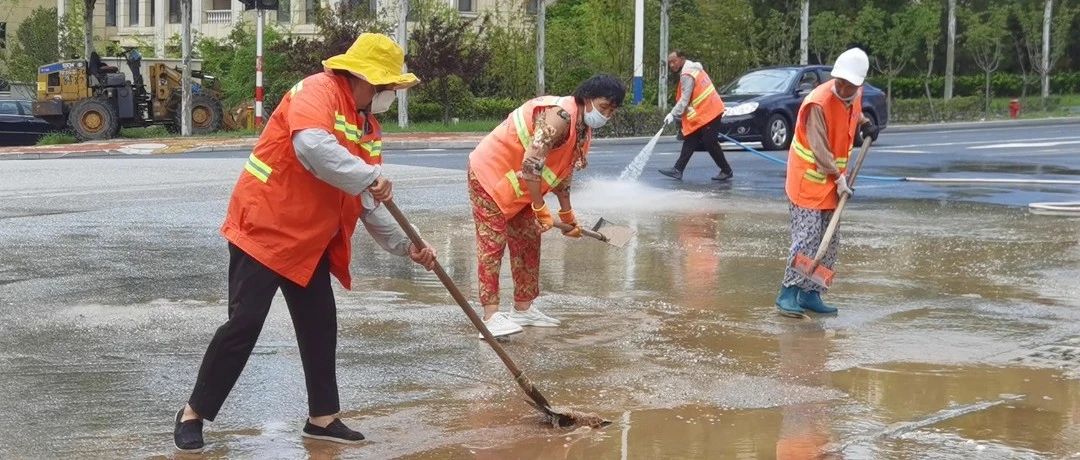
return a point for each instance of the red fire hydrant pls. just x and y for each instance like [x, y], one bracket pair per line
[1014, 108]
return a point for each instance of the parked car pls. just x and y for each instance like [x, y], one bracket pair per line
[18, 125]
[761, 106]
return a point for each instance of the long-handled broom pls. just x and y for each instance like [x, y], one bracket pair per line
[557, 417]
[811, 268]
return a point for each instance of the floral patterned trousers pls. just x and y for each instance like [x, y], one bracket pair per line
[807, 228]
[494, 232]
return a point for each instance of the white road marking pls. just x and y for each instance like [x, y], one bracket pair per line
[899, 151]
[947, 144]
[1023, 145]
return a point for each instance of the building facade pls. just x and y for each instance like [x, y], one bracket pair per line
[151, 23]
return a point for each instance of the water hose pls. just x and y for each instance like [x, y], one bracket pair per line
[1063, 208]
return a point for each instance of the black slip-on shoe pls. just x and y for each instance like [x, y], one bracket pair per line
[187, 435]
[723, 176]
[334, 432]
[672, 173]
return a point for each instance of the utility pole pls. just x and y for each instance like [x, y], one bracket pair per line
[804, 34]
[639, 50]
[950, 51]
[403, 41]
[1046, 49]
[185, 79]
[541, 13]
[662, 93]
[260, 18]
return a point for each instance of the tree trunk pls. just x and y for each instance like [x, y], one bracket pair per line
[987, 94]
[88, 28]
[930, 99]
[804, 33]
[1044, 69]
[950, 51]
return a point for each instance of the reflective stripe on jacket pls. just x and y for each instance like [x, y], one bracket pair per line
[279, 212]
[705, 103]
[806, 186]
[497, 160]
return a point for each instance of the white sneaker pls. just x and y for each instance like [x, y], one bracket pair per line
[500, 325]
[533, 317]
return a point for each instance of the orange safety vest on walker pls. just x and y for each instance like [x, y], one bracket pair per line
[280, 213]
[806, 187]
[705, 104]
[497, 160]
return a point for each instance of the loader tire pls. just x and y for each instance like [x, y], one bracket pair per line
[207, 115]
[94, 119]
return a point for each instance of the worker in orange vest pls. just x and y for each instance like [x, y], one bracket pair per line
[535, 151]
[313, 174]
[701, 110]
[817, 162]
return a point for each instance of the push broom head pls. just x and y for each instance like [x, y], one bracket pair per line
[817, 273]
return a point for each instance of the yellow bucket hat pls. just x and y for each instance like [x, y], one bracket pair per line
[375, 58]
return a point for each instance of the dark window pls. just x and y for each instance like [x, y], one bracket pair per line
[54, 79]
[311, 11]
[808, 81]
[284, 11]
[110, 13]
[174, 11]
[3, 35]
[465, 6]
[153, 13]
[133, 12]
[9, 108]
[27, 108]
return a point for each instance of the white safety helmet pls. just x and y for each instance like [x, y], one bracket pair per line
[852, 66]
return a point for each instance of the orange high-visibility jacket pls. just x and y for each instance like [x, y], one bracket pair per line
[806, 187]
[280, 213]
[705, 104]
[497, 160]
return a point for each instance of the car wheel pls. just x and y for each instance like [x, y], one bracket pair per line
[859, 135]
[777, 135]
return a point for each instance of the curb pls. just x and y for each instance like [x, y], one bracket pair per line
[444, 144]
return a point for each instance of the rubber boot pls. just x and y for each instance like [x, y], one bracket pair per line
[811, 300]
[787, 303]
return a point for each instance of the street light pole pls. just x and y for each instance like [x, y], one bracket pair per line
[639, 50]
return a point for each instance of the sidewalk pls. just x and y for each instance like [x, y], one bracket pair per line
[397, 141]
[410, 141]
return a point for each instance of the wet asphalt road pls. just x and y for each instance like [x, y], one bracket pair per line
[112, 282]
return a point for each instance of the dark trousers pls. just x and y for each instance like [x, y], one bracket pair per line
[707, 136]
[252, 287]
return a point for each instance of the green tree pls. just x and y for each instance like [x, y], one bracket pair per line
[984, 35]
[830, 35]
[512, 40]
[445, 51]
[892, 38]
[926, 23]
[35, 43]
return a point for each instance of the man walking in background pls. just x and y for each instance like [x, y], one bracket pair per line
[701, 110]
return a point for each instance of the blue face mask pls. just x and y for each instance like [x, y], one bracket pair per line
[594, 119]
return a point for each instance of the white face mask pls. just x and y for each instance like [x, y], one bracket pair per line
[594, 119]
[847, 99]
[382, 101]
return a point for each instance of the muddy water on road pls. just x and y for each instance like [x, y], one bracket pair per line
[956, 338]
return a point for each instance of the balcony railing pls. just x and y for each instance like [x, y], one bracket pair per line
[218, 16]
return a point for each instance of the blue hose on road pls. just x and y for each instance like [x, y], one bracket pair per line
[782, 162]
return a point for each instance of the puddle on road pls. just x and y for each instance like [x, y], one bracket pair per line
[673, 338]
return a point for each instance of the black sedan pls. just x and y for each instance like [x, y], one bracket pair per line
[18, 126]
[761, 106]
